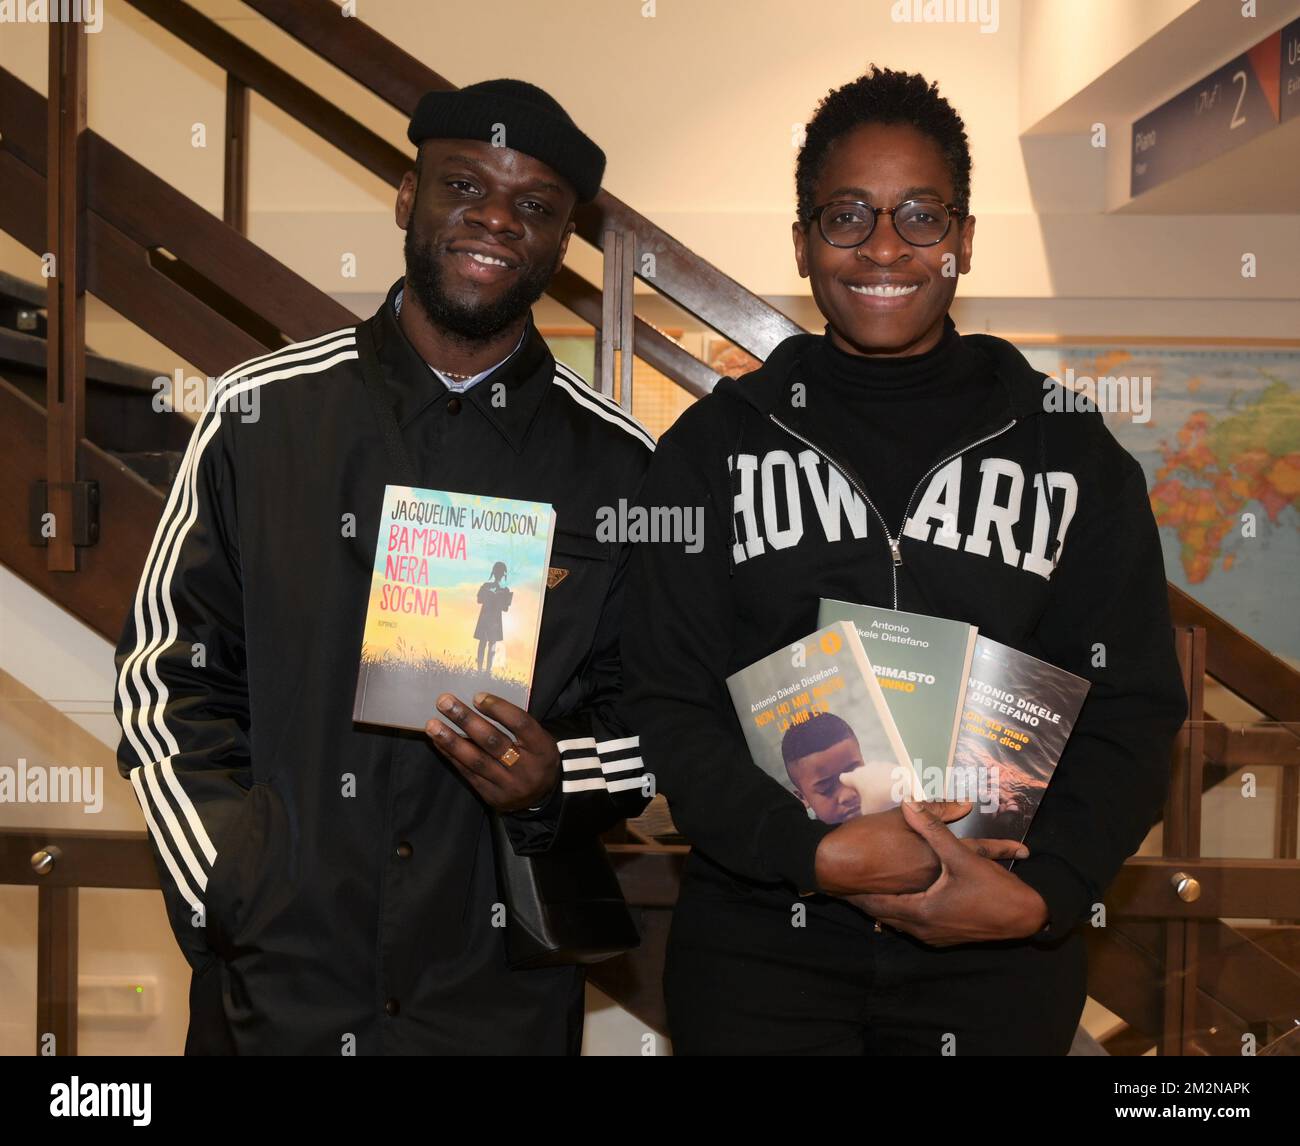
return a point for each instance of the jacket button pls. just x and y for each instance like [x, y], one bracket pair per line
[453, 404]
[392, 1006]
[405, 850]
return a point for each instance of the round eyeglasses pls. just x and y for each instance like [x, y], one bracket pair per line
[848, 223]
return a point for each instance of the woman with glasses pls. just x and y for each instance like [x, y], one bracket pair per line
[894, 462]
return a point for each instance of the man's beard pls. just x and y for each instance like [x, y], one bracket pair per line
[468, 322]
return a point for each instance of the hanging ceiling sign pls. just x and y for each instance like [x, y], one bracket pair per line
[1233, 104]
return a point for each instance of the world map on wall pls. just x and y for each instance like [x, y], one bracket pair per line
[1220, 447]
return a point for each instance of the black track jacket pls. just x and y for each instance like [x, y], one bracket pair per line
[339, 878]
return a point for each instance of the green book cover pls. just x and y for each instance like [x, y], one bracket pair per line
[922, 664]
[815, 721]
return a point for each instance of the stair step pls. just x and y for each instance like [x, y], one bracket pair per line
[157, 467]
[1282, 941]
[22, 306]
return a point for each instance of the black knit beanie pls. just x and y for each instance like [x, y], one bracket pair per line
[520, 116]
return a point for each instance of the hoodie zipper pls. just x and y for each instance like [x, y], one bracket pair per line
[894, 551]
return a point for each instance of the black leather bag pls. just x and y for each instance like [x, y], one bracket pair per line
[562, 906]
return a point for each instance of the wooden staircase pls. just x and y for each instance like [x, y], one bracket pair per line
[1180, 975]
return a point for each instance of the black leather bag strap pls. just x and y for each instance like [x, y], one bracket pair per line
[399, 460]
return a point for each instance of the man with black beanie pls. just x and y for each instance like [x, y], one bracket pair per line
[333, 885]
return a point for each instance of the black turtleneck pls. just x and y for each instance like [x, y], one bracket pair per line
[891, 419]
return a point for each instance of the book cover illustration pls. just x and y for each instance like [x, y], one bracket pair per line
[815, 721]
[922, 664]
[1017, 716]
[455, 602]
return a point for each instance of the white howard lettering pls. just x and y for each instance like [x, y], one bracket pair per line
[793, 531]
[1036, 558]
[990, 512]
[769, 507]
[836, 502]
[743, 506]
[939, 506]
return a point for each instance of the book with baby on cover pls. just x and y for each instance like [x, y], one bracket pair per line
[815, 721]
[455, 602]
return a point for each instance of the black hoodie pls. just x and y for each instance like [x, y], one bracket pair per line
[1077, 580]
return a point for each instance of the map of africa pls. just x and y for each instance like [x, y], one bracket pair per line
[1221, 454]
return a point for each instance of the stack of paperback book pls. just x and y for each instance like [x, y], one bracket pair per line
[878, 706]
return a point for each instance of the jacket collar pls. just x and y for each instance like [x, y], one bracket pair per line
[414, 387]
[767, 389]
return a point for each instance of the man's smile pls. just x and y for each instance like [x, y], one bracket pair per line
[481, 262]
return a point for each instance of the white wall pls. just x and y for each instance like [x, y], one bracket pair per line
[696, 108]
[56, 688]
[1067, 45]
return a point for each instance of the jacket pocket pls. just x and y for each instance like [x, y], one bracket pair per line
[580, 545]
[226, 882]
[581, 570]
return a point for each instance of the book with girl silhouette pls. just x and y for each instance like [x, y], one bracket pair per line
[455, 602]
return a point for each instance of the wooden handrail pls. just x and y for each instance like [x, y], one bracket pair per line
[146, 211]
[1229, 888]
[119, 272]
[1240, 663]
[1263, 680]
[1181, 836]
[389, 163]
[399, 79]
[65, 123]
[288, 93]
[131, 213]
[86, 859]
[1238, 984]
[350, 45]
[1250, 745]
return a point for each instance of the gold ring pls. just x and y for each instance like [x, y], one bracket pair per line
[510, 757]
